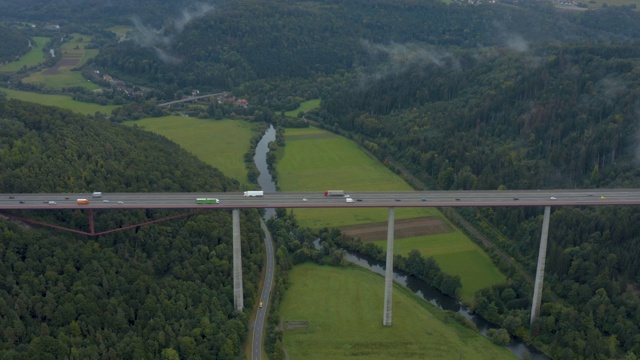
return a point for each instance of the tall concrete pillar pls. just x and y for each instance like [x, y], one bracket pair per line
[388, 274]
[542, 255]
[237, 262]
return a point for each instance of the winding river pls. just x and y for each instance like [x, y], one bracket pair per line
[260, 158]
[419, 287]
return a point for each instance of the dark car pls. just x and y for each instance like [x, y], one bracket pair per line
[515, 198]
[21, 202]
[358, 199]
[397, 199]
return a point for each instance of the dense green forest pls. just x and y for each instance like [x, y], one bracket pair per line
[515, 95]
[14, 44]
[247, 40]
[92, 11]
[159, 291]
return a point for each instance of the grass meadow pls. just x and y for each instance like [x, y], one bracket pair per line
[73, 55]
[315, 160]
[344, 308]
[305, 106]
[62, 101]
[121, 31]
[455, 254]
[34, 57]
[219, 143]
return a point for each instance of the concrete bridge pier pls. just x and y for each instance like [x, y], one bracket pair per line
[388, 275]
[237, 262]
[542, 255]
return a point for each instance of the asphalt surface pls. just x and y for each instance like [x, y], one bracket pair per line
[256, 341]
[590, 197]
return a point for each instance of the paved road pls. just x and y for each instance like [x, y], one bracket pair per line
[592, 197]
[192, 98]
[256, 342]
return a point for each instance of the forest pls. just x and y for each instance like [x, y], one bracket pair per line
[14, 44]
[516, 95]
[154, 292]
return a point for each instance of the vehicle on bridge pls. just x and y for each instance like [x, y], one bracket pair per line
[334, 193]
[96, 194]
[82, 202]
[207, 201]
[253, 193]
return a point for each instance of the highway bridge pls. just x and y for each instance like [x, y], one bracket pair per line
[193, 98]
[391, 200]
[236, 200]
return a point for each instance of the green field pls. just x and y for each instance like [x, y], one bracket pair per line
[63, 101]
[456, 255]
[65, 73]
[305, 106]
[315, 160]
[34, 57]
[220, 143]
[121, 31]
[344, 307]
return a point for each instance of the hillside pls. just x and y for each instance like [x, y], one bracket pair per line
[13, 44]
[516, 95]
[247, 40]
[162, 290]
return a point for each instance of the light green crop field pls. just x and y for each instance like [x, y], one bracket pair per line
[63, 101]
[305, 106]
[34, 57]
[344, 307]
[315, 160]
[219, 143]
[65, 73]
[61, 80]
[456, 255]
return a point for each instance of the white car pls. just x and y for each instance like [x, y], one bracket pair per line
[120, 202]
[553, 198]
[304, 199]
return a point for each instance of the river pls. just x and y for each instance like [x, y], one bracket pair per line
[435, 297]
[260, 158]
[419, 287]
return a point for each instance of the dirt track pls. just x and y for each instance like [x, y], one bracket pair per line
[403, 229]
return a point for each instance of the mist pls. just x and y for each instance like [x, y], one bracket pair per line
[160, 39]
[398, 58]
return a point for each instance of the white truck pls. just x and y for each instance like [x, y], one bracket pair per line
[253, 193]
[349, 199]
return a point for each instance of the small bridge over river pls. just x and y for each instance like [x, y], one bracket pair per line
[194, 99]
